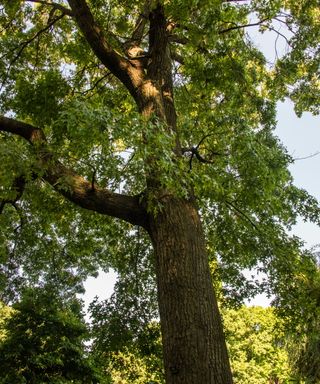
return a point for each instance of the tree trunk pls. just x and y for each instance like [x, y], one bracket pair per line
[193, 341]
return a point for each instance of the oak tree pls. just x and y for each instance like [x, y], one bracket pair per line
[155, 113]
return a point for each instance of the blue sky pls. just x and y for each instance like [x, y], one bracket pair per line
[301, 137]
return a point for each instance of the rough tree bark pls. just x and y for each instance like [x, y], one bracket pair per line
[193, 340]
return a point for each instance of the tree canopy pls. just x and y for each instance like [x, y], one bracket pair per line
[154, 113]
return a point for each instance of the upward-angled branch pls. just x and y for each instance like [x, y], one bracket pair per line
[138, 32]
[73, 186]
[21, 47]
[133, 45]
[160, 66]
[243, 26]
[122, 68]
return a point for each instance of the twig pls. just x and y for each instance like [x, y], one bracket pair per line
[16, 229]
[203, 139]
[242, 26]
[307, 157]
[24, 44]
[195, 152]
[280, 34]
[232, 205]
[285, 23]
[96, 84]
[27, 42]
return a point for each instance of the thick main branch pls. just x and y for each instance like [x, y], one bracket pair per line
[73, 186]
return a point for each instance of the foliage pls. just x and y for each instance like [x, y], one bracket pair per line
[129, 367]
[257, 346]
[226, 106]
[126, 337]
[223, 150]
[302, 315]
[43, 341]
[5, 313]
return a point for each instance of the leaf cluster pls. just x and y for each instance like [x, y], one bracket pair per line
[44, 342]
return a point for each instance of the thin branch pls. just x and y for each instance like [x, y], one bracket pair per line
[96, 83]
[275, 47]
[195, 152]
[174, 38]
[60, 7]
[2, 205]
[201, 158]
[233, 206]
[18, 210]
[126, 165]
[203, 139]
[178, 58]
[27, 42]
[243, 26]
[80, 74]
[285, 23]
[280, 34]
[24, 44]
[307, 157]
[6, 26]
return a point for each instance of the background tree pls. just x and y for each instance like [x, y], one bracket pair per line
[260, 348]
[125, 328]
[44, 342]
[154, 113]
[299, 307]
[5, 312]
[257, 346]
